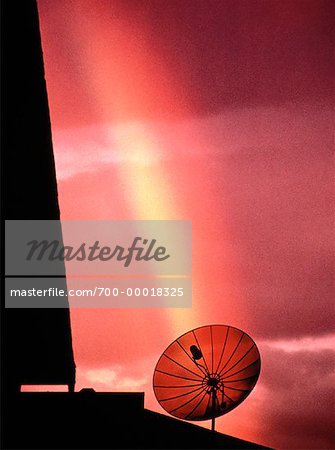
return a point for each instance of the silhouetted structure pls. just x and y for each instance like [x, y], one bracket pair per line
[37, 345]
[87, 420]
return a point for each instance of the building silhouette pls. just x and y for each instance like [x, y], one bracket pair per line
[37, 342]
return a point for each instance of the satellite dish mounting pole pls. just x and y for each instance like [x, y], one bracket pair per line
[213, 408]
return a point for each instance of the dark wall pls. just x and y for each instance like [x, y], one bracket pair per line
[91, 420]
[36, 344]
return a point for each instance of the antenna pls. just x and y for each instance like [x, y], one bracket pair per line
[206, 372]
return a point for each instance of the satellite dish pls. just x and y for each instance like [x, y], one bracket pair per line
[206, 372]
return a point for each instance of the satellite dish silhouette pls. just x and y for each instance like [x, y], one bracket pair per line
[206, 372]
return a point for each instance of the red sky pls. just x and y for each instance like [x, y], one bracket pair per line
[219, 112]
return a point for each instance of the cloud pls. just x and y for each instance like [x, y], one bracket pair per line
[92, 147]
[304, 344]
[297, 392]
[111, 378]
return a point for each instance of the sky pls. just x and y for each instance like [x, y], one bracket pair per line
[219, 112]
